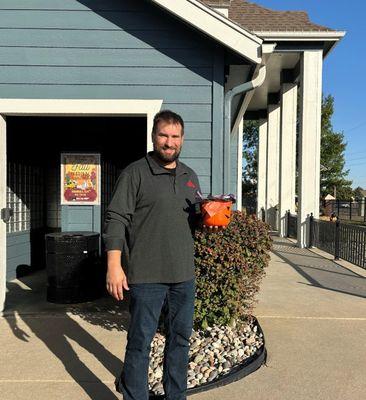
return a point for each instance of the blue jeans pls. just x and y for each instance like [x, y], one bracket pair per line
[146, 302]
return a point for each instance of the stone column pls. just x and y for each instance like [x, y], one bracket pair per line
[309, 141]
[287, 153]
[262, 167]
[273, 161]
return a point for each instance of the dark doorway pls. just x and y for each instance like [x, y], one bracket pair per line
[34, 145]
[39, 140]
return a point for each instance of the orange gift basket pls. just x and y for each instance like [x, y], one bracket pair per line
[216, 210]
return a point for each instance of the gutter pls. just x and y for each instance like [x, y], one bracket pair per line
[260, 76]
[241, 89]
[301, 35]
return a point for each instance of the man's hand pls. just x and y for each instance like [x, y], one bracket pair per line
[116, 279]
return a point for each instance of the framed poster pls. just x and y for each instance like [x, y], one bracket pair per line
[80, 178]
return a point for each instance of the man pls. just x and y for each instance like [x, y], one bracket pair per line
[152, 215]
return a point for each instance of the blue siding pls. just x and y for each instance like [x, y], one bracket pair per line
[234, 164]
[181, 94]
[38, 75]
[86, 57]
[113, 49]
[97, 39]
[198, 131]
[88, 19]
[80, 5]
[81, 218]
[218, 124]
[18, 252]
[197, 149]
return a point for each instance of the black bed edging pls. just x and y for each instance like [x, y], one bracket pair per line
[250, 365]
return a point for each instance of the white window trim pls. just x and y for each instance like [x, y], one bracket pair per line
[61, 107]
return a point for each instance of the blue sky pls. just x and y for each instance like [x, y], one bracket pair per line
[343, 72]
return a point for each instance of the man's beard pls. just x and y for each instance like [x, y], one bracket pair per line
[166, 158]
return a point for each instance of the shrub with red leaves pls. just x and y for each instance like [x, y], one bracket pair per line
[230, 265]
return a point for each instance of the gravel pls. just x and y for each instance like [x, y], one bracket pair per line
[213, 353]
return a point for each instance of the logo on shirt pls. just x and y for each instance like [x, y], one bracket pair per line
[191, 184]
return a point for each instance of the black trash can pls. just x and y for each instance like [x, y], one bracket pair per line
[74, 271]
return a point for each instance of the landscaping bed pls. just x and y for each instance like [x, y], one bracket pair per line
[227, 342]
[218, 356]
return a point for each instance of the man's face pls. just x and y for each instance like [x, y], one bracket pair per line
[168, 141]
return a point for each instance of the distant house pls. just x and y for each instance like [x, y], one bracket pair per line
[87, 76]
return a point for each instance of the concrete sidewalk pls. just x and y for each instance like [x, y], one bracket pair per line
[312, 311]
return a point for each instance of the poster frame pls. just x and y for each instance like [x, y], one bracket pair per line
[65, 202]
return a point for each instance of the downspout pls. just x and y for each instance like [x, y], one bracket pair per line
[240, 89]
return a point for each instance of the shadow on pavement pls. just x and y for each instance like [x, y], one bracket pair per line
[319, 271]
[55, 326]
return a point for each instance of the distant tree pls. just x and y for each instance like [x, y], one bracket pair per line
[333, 176]
[357, 193]
[250, 155]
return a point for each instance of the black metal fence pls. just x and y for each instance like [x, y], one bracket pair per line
[346, 210]
[352, 244]
[291, 225]
[343, 240]
[249, 204]
[322, 235]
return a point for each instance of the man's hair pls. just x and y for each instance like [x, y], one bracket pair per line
[168, 117]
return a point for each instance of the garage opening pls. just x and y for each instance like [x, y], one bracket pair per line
[34, 147]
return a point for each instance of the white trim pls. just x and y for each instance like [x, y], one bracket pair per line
[287, 153]
[61, 107]
[243, 108]
[222, 10]
[260, 74]
[239, 200]
[309, 141]
[78, 106]
[273, 161]
[262, 167]
[299, 36]
[215, 25]
[2, 205]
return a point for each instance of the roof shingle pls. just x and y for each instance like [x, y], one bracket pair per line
[256, 18]
[218, 3]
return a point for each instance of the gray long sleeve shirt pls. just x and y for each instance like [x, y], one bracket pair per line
[152, 216]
